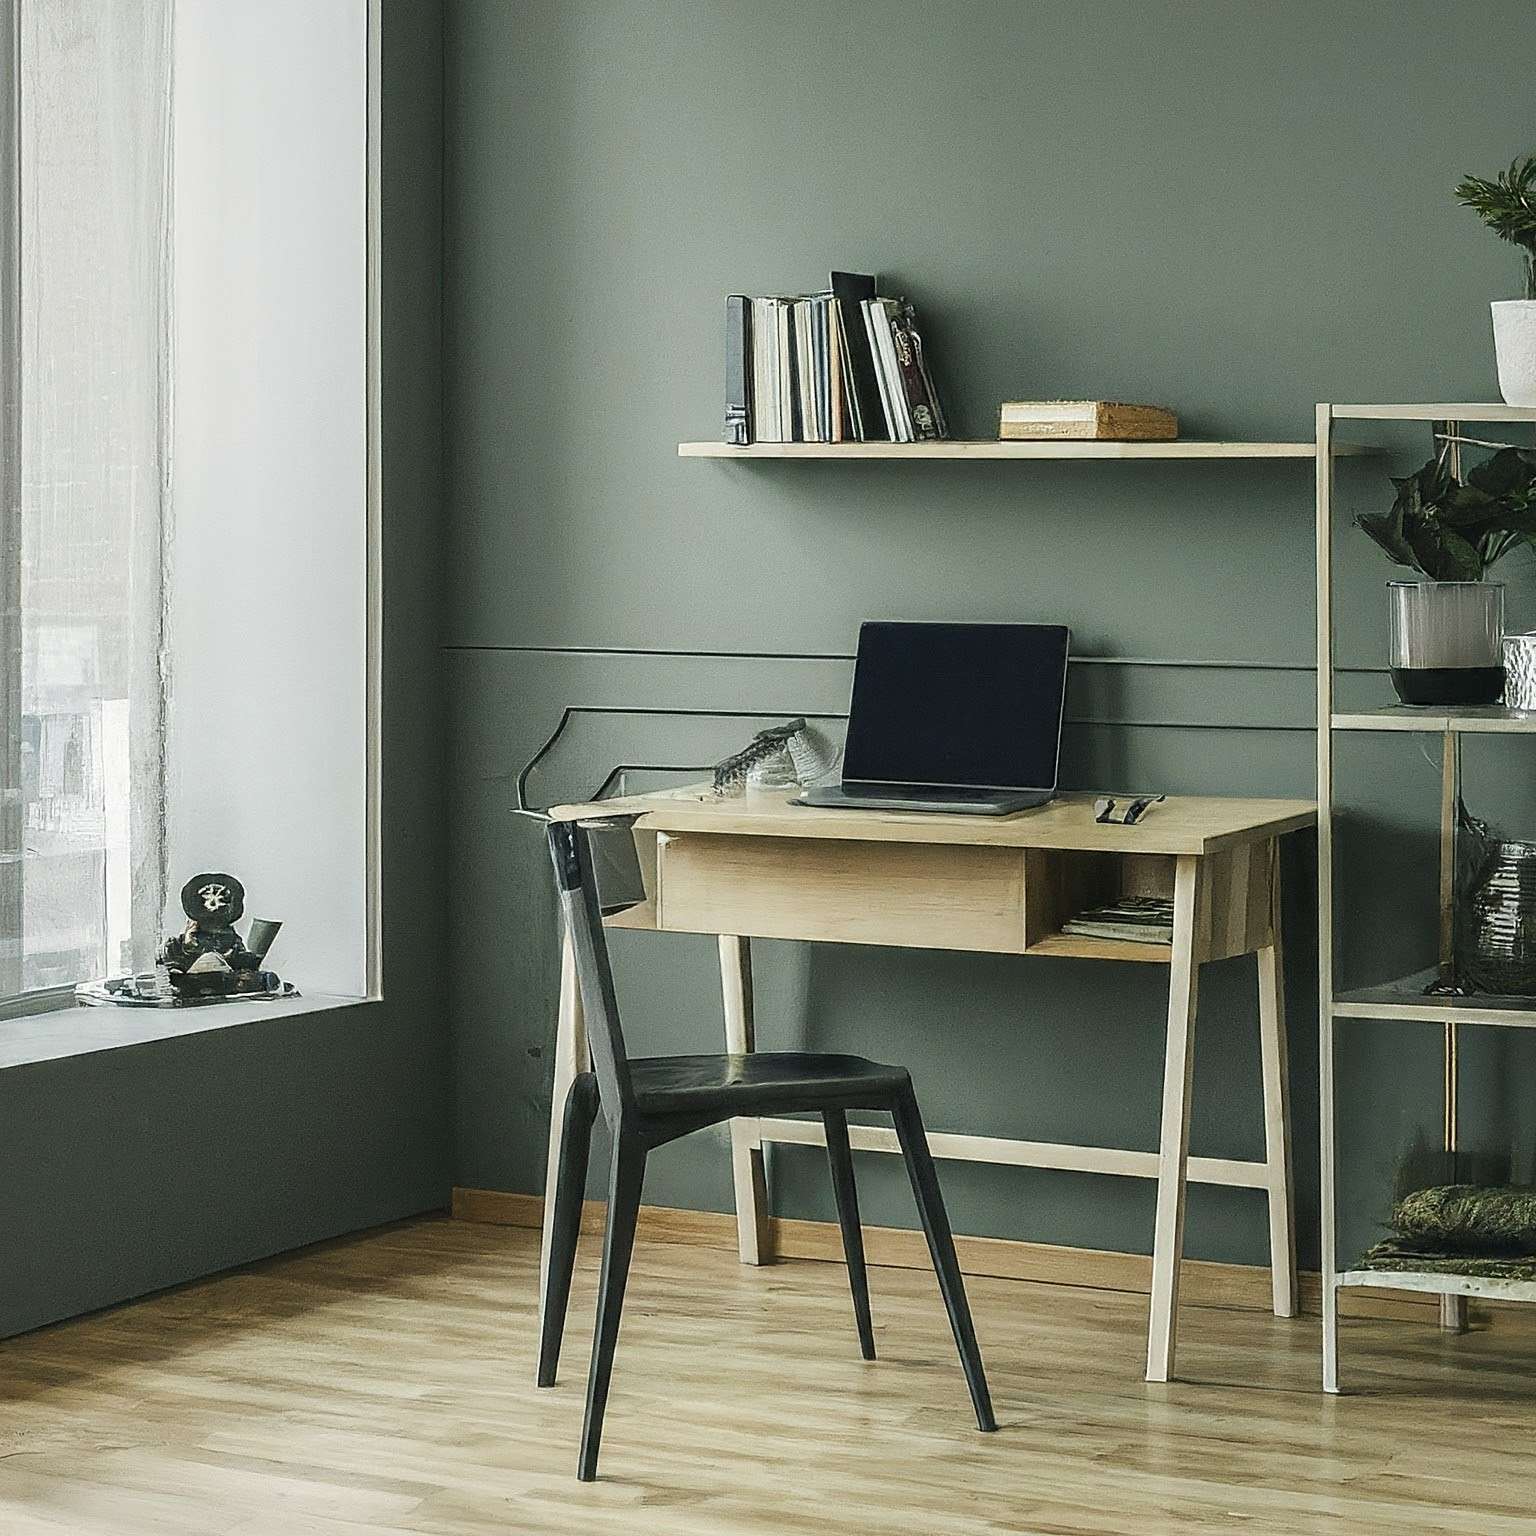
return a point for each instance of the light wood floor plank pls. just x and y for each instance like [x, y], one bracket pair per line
[381, 1385]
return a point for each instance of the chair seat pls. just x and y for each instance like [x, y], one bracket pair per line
[761, 1082]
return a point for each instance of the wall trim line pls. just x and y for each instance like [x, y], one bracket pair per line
[1203, 1283]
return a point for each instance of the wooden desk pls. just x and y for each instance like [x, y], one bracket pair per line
[758, 867]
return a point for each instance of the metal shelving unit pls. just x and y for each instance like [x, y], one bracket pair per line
[1404, 998]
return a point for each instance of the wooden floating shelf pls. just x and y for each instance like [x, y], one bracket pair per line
[1405, 999]
[1462, 411]
[1482, 719]
[1440, 1284]
[987, 448]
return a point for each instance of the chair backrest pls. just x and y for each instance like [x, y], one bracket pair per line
[570, 846]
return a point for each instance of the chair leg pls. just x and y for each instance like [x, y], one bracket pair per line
[624, 1181]
[941, 1248]
[840, 1157]
[565, 1219]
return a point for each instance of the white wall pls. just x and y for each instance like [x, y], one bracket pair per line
[266, 745]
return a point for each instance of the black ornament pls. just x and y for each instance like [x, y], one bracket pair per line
[208, 959]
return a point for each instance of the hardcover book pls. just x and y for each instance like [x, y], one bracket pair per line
[1085, 420]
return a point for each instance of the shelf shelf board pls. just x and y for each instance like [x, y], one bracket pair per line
[1404, 999]
[1462, 410]
[954, 448]
[1437, 1284]
[1086, 946]
[1484, 719]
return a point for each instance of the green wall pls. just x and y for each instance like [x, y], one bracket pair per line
[1235, 209]
[141, 1167]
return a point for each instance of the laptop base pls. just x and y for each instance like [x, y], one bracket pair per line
[915, 797]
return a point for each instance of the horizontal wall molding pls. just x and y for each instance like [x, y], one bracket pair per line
[1112, 693]
[1202, 1283]
[1192, 664]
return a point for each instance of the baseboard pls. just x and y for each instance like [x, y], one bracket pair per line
[1202, 1283]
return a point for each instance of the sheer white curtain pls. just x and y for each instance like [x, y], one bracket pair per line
[86, 385]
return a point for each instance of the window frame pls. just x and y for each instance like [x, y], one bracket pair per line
[45, 1000]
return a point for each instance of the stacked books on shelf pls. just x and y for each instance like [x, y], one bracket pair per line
[843, 365]
[1139, 919]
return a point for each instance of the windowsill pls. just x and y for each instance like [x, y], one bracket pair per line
[82, 1031]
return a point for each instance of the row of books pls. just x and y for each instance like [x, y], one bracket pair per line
[843, 365]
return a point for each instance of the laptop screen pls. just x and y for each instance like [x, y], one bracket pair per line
[957, 704]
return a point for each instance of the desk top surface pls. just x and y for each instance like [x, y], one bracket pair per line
[1181, 824]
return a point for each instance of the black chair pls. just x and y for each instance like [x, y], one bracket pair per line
[651, 1101]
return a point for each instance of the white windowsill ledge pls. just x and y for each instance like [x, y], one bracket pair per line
[81, 1031]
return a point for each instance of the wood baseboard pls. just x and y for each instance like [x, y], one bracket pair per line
[1202, 1283]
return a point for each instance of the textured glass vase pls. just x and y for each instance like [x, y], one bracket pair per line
[1496, 926]
[1447, 641]
[1520, 671]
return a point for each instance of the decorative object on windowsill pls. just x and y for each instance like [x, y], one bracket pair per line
[1462, 1229]
[1448, 630]
[207, 962]
[784, 756]
[1520, 671]
[1507, 205]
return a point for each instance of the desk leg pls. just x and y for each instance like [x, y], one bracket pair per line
[570, 1058]
[1277, 1130]
[1173, 1148]
[746, 1144]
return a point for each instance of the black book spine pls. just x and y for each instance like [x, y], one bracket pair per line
[866, 413]
[738, 370]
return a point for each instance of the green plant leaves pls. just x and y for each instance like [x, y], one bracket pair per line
[1507, 203]
[1453, 530]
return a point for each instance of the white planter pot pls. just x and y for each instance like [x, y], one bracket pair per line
[1514, 344]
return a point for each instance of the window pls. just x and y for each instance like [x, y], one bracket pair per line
[203, 701]
[84, 370]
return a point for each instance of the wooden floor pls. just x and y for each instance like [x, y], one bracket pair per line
[384, 1384]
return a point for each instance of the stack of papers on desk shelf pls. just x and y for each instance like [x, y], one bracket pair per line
[1139, 919]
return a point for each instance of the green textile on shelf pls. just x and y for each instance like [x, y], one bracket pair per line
[1398, 1255]
[1458, 1219]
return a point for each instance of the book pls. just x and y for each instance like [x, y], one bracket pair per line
[922, 403]
[893, 397]
[837, 374]
[738, 370]
[767, 422]
[865, 416]
[1085, 420]
[784, 346]
[1135, 919]
[805, 372]
[821, 345]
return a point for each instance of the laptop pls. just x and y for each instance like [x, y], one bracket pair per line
[953, 717]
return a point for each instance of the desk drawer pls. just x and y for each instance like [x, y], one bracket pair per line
[916, 895]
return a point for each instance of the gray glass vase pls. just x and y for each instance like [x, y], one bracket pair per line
[1447, 641]
[1496, 923]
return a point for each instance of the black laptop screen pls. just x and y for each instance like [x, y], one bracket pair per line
[974, 704]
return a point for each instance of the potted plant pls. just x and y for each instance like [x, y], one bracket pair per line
[1507, 205]
[1448, 628]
